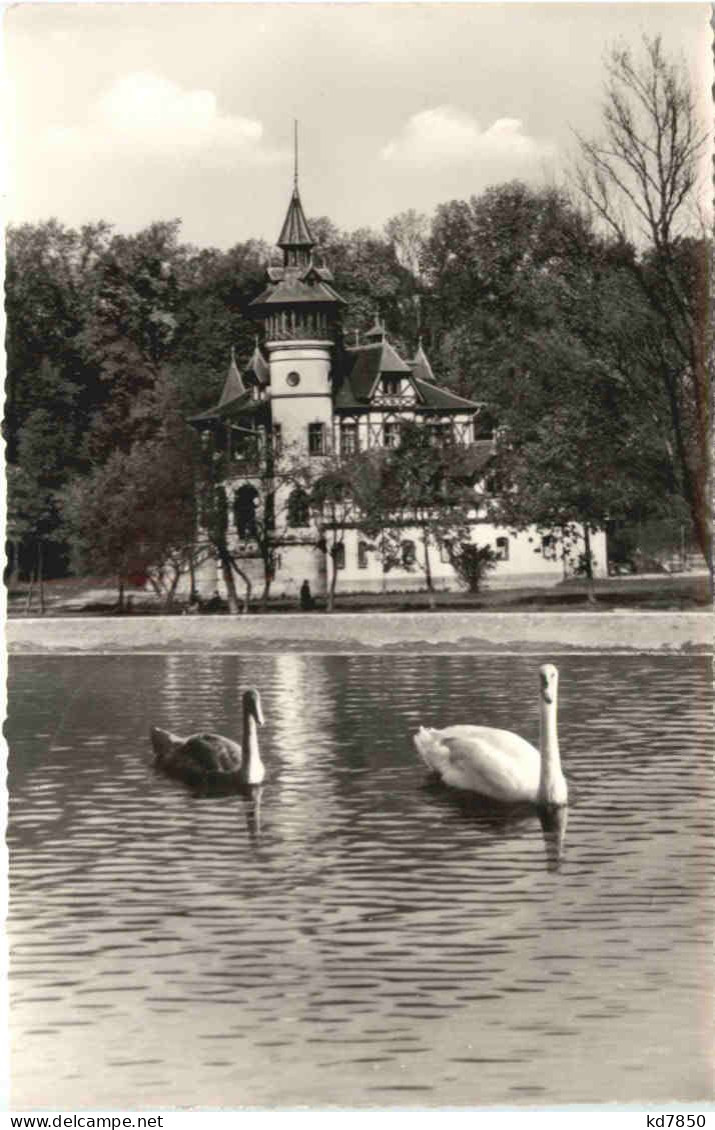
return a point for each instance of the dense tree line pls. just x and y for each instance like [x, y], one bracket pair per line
[578, 318]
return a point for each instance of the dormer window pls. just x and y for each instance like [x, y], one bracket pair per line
[391, 386]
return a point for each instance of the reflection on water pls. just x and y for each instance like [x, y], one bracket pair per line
[351, 934]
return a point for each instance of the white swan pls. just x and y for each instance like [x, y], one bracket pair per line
[211, 758]
[497, 763]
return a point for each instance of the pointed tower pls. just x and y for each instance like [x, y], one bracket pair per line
[233, 386]
[300, 312]
[295, 240]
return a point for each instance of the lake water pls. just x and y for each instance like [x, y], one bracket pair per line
[358, 937]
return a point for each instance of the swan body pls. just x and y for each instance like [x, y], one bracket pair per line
[498, 763]
[212, 758]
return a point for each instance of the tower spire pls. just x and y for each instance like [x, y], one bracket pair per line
[296, 239]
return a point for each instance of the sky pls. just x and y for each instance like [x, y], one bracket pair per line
[140, 112]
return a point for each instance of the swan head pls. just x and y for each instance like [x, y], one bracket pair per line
[252, 705]
[548, 682]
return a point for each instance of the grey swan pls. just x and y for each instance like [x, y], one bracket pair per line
[211, 759]
[498, 763]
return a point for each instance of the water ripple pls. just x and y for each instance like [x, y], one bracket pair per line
[415, 933]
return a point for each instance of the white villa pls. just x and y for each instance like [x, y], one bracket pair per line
[305, 390]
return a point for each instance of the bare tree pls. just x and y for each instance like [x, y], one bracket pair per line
[408, 233]
[641, 179]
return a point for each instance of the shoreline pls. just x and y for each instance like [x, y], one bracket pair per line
[689, 632]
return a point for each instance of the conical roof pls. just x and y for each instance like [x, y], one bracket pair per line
[259, 366]
[295, 231]
[421, 366]
[233, 385]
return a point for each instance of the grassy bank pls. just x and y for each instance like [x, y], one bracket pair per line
[663, 592]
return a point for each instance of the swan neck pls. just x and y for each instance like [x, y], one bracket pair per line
[252, 769]
[551, 775]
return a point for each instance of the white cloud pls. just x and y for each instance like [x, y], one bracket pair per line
[144, 115]
[447, 135]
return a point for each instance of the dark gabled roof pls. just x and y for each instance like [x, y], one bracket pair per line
[278, 271]
[363, 369]
[235, 409]
[442, 399]
[390, 361]
[295, 231]
[292, 289]
[365, 364]
[225, 409]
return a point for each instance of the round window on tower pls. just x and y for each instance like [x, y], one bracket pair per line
[293, 379]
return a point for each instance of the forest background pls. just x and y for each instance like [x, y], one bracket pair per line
[577, 315]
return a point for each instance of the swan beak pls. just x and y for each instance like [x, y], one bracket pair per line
[545, 688]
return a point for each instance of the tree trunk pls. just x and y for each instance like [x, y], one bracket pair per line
[40, 578]
[15, 570]
[28, 602]
[248, 587]
[590, 588]
[192, 572]
[158, 589]
[227, 574]
[330, 602]
[428, 571]
[694, 485]
[266, 591]
[171, 591]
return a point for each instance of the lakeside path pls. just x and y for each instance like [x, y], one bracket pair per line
[536, 632]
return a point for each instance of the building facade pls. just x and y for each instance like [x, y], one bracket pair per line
[305, 396]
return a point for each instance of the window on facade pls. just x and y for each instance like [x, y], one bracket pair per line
[277, 438]
[242, 447]
[316, 439]
[244, 511]
[339, 556]
[445, 552]
[298, 508]
[502, 549]
[348, 438]
[548, 547]
[362, 555]
[392, 433]
[391, 386]
[409, 556]
[440, 432]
